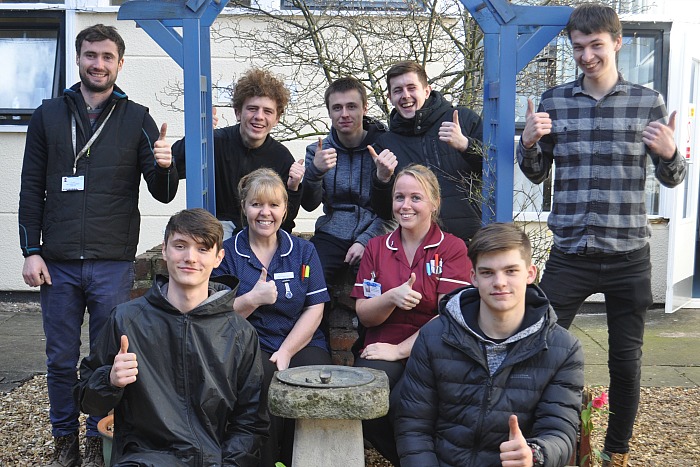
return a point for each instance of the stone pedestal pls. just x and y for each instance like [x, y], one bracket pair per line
[329, 419]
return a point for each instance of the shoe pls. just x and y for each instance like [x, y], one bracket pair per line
[93, 452]
[66, 451]
[617, 459]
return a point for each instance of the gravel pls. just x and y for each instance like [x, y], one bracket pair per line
[667, 432]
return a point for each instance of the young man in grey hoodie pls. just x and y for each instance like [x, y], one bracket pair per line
[339, 171]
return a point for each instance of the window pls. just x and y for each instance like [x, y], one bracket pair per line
[642, 60]
[32, 50]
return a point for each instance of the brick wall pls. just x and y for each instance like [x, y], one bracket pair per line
[341, 318]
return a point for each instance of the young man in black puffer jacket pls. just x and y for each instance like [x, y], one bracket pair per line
[424, 128]
[494, 378]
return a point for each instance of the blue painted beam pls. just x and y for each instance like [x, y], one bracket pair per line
[513, 36]
[192, 52]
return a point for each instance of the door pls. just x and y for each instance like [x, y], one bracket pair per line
[684, 79]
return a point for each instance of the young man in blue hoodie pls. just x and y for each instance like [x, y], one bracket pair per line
[493, 380]
[339, 172]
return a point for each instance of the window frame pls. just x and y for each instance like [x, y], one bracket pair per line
[36, 20]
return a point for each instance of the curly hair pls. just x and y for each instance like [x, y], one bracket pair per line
[257, 82]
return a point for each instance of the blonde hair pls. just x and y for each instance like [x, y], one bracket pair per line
[264, 184]
[428, 181]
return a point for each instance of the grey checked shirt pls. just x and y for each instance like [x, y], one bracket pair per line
[600, 161]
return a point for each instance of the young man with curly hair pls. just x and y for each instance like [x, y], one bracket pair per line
[259, 101]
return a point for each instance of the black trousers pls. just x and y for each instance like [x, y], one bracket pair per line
[625, 281]
[380, 431]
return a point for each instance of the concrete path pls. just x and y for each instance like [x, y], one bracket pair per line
[671, 347]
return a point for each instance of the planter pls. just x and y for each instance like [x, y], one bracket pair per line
[103, 427]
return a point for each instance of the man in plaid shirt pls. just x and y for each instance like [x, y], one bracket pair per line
[598, 130]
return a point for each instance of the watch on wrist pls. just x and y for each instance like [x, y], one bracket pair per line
[537, 455]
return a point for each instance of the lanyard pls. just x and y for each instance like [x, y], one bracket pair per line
[86, 148]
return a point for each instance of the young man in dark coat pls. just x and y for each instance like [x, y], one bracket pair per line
[493, 380]
[424, 128]
[180, 368]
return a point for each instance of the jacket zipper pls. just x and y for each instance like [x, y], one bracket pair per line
[186, 387]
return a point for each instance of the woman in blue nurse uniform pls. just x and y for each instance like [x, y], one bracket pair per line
[281, 293]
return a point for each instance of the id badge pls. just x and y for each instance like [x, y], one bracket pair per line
[371, 288]
[73, 183]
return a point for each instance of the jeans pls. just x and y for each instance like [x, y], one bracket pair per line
[625, 281]
[99, 285]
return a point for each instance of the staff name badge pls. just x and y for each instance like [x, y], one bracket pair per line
[371, 288]
[73, 183]
[282, 276]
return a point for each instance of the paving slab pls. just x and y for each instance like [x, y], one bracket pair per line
[671, 353]
[22, 347]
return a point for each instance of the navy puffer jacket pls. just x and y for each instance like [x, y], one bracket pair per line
[453, 411]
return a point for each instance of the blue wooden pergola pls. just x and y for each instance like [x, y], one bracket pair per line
[192, 51]
[513, 35]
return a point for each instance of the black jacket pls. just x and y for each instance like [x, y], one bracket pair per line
[416, 141]
[345, 189]
[453, 411]
[197, 393]
[232, 161]
[102, 221]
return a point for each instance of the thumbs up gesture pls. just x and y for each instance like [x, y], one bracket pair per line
[214, 117]
[537, 124]
[659, 137]
[296, 174]
[125, 366]
[324, 159]
[515, 452]
[264, 291]
[404, 296]
[386, 163]
[161, 149]
[451, 133]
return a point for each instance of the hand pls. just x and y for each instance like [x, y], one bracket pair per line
[281, 358]
[35, 272]
[386, 163]
[296, 174]
[404, 296]
[354, 254]
[324, 159]
[125, 366]
[451, 133]
[381, 351]
[265, 292]
[537, 124]
[515, 452]
[214, 118]
[659, 138]
[161, 149]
